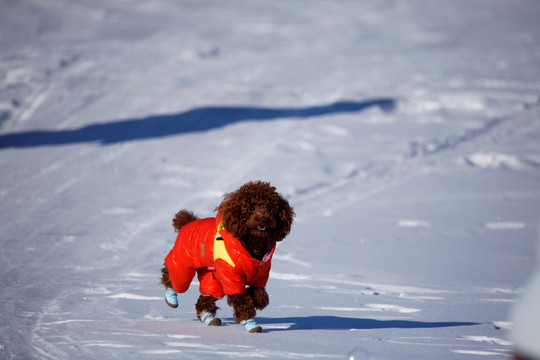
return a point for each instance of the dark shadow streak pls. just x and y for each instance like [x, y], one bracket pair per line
[345, 323]
[195, 120]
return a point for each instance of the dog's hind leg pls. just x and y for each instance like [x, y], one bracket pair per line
[165, 280]
[171, 296]
[211, 291]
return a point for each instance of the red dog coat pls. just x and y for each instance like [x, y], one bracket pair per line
[222, 263]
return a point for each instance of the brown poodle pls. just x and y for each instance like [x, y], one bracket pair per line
[231, 253]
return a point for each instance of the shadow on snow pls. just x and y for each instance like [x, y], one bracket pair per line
[195, 120]
[347, 323]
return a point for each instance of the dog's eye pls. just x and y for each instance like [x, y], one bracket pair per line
[252, 208]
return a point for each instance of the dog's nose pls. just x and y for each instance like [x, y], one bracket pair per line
[264, 221]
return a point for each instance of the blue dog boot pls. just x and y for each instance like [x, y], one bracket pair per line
[251, 326]
[171, 297]
[209, 319]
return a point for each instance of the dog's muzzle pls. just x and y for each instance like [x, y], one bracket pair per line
[262, 224]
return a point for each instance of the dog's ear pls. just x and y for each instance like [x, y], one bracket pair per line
[231, 209]
[285, 216]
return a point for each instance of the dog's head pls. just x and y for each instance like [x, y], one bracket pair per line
[256, 213]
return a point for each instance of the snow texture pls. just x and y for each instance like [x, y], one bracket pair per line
[404, 133]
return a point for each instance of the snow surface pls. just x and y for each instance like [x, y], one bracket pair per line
[404, 133]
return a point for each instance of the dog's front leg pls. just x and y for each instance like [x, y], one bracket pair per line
[244, 311]
[260, 297]
[243, 306]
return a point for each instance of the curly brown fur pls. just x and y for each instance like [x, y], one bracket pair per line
[257, 215]
[206, 304]
[182, 218]
[260, 297]
[243, 306]
[165, 277]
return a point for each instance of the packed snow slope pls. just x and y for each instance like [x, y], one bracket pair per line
[404, 133]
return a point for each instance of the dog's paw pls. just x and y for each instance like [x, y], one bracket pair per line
[251, 326]
[209, 319]
[171, 297]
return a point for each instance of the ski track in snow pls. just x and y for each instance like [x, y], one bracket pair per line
[432, 155]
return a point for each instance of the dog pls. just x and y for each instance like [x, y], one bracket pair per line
[231, 253]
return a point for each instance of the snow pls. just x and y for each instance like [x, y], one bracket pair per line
[404, 133]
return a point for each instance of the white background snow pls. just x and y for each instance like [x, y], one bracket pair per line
[404, 133]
